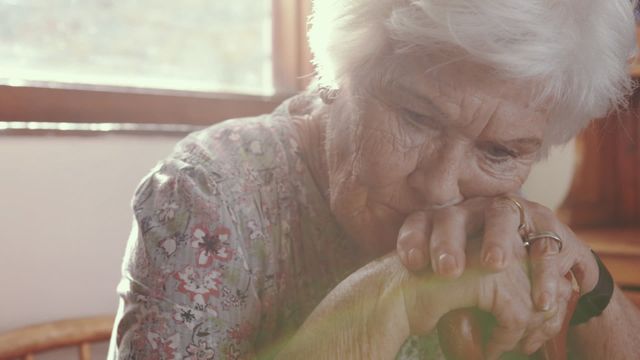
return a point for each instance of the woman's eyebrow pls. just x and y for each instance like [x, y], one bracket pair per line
[528, 144]
[419, 100]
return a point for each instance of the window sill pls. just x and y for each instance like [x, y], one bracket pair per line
[114, 105]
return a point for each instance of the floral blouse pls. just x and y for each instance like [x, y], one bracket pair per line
[232, 246]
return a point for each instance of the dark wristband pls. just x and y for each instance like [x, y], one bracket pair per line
[593, 303]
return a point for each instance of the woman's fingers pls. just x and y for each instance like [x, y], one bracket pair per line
[552, 321]
[440, 236]
[501, 221]
[545, 273]
[437, 237]
[520, 326]
[546, 263]
[448, 241]
[506, 295]
[413, 241]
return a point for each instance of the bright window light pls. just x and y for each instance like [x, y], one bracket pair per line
[193, 45]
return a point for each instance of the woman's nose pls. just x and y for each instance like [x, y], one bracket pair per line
[437, 177]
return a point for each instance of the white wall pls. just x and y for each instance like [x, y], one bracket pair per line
[64, 221]
[550, 180]
[65, 218]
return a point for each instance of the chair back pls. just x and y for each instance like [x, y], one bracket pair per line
[25, 342]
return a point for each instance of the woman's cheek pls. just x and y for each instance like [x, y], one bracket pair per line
[492, 183]
[383, 157]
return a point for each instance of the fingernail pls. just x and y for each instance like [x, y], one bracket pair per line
[494, 257]
[545, 301]
[447, 264]
[416, 259]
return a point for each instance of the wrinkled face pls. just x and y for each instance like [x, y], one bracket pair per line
[427, 140]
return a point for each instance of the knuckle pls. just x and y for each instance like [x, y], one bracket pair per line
[418, 215]
[411, 236]
[415, 220]
[544, 248]
[500, 206]
[447, 213]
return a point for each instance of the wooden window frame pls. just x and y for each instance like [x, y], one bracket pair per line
[54, 102]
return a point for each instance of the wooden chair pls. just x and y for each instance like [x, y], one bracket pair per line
[25, 342]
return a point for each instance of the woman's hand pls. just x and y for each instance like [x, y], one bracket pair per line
[439, 237]
[370, 314]
[505, 295]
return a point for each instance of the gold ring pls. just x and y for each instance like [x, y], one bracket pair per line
[522, 228]
[533, 236]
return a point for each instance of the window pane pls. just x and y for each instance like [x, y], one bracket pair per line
[201, 45]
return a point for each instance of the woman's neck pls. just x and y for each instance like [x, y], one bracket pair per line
[310, 133]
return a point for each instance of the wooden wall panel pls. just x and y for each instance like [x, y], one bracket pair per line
[627, 159]
[606, 186]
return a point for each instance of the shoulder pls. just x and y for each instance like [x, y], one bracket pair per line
[261, 141]
[220, 171]
[240, 147]
[242, 173]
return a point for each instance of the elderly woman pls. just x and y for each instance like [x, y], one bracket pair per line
[349, 221]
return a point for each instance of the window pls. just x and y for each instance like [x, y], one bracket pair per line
[193, 61]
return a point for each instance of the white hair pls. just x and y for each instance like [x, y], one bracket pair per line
[575, 51]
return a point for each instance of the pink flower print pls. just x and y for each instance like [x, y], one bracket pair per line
[163, 348]
[241, 332]
[206, 309]
[232, 352]
[200, 352]
[198, 287]
[255, 232]
[167, 211]
[169, 245]
[187, 316]
[152, 315]
[211, 246]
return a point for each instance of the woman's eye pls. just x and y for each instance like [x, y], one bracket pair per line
[498, 154]
[418, 119]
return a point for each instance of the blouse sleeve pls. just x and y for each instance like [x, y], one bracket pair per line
[186, 290]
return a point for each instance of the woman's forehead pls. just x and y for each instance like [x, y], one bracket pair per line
[471, 96]
[455, 79]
